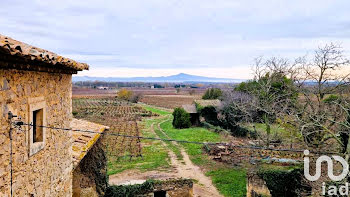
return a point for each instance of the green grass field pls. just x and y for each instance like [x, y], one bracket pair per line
[156, 110]
[229, 181]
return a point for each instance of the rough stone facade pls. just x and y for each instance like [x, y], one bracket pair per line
[90, 176]
[48, 172]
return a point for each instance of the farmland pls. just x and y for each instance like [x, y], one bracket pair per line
[222, 172]
[175, 98]
[169, 101]
[106, 108]
[162, 97]
[129, 158]
[122, 118]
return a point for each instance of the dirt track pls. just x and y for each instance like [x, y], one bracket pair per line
[179, 169]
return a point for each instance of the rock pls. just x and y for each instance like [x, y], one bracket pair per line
[5, 85]
[251, 143]
[10, 96]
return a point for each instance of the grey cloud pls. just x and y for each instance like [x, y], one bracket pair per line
[175, 34]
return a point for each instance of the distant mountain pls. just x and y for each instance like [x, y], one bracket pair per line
[179, 78]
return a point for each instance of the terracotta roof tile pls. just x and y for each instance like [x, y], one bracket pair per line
[205, 103]
[190, 108]
[82, 142]
[16, 48]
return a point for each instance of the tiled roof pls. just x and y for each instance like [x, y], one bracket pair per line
[30, 53]
[190, 108]
[83, 141]
[205, 103]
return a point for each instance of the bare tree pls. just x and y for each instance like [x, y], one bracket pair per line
[306, 95]
[268, 96]
[323, 107]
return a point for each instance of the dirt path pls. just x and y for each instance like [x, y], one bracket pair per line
[187, 169]
[180, 169]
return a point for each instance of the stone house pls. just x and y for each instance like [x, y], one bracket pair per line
[36, 85]
[194, 114]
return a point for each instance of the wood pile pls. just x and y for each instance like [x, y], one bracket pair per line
[231, 154]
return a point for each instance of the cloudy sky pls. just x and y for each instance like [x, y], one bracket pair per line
[217, 38]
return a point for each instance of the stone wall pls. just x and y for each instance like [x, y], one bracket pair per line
[151, 188]
[48, 172]
[175, 187]
[90, 176]
[256, 186]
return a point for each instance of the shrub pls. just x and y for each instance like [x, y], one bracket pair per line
[242, 132]
[181, 119]
[128, 95]
[210, 115]
[135, 98]
[158, 86]
[331, 99]
[124, 94]
[231, 115]
[216, 129]
[130, 190]
[150, 186]
[212, 93]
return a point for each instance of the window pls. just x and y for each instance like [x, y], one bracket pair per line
[37, 118]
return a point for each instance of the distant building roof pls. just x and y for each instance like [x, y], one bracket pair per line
[205, 103]
[190, 108]
[27, 54]
[83, 141]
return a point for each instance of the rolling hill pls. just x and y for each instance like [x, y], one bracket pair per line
[179, 78]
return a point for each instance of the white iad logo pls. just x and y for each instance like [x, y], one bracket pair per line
[330, 167]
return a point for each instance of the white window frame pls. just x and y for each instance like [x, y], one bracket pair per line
[35, 104]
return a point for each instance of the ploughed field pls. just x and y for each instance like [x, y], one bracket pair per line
[122, 118]
[92, 92]
[169, 101]
[101, 108]
[160, 97]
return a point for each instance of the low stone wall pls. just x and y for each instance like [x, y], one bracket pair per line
[90, 176]
[150, 188]
[256, 186]
[175, 188]
[277, 180]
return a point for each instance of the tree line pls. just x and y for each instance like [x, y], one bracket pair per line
[307, 97]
